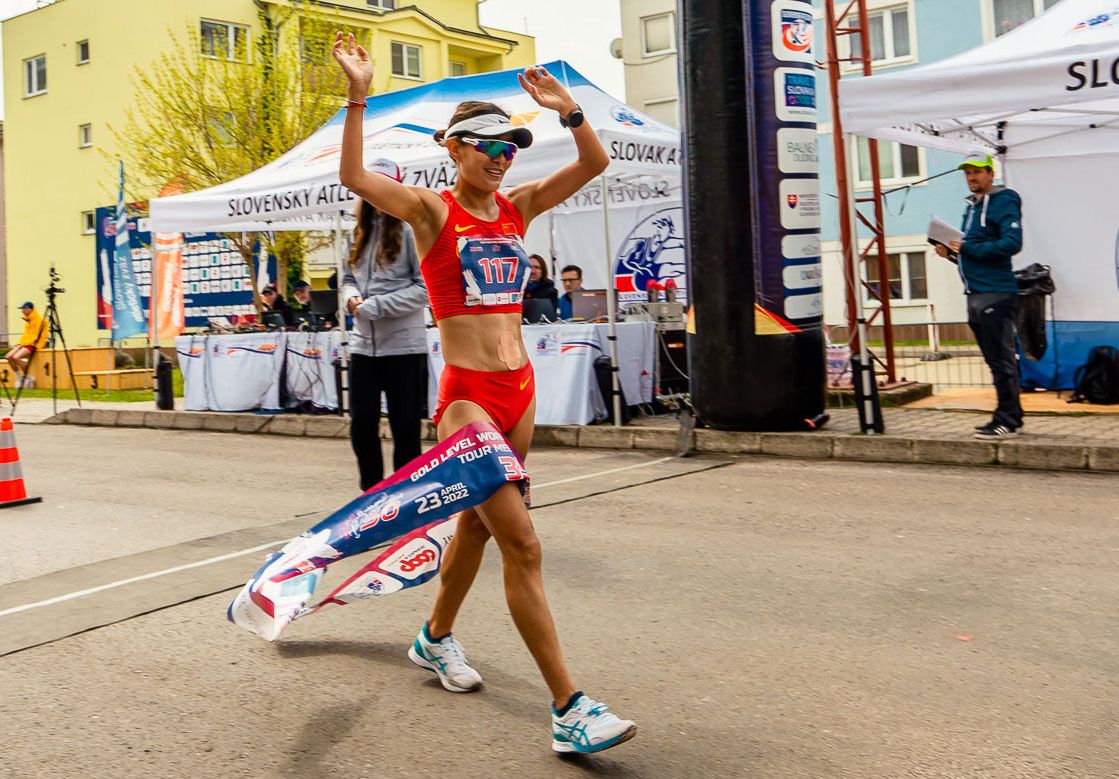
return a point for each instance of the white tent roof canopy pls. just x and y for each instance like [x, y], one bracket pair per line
[300, 189]
[1049, 88]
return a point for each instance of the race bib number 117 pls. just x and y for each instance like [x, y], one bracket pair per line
[494, 270]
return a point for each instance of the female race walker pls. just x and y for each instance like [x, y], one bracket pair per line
[475, 267]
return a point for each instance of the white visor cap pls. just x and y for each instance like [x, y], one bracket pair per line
[491, 126]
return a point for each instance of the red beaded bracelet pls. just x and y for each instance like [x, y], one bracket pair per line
[355, 104]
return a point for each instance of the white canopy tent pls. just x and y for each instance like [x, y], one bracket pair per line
[300, 190]
[1044, 98]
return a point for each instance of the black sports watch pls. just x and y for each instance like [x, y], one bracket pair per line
[574, 118]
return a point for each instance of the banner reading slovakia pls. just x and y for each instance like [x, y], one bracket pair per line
[128, 314]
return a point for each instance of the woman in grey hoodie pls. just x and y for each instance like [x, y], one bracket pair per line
[386, 295]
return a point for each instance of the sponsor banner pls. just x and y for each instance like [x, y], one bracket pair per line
[786, 211]
[797, 150]
[128, 317]
[652, 252]
[214, 278]
[165, 309]
[794, 91]
[458, 473]
[792, 30]
[800, 204]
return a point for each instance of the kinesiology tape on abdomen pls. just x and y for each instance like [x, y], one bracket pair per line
[420, 501]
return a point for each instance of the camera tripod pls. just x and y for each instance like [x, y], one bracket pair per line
[53, 321]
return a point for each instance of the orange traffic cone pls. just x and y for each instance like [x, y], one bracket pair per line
[12, 491]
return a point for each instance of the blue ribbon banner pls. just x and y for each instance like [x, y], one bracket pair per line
[420, 501]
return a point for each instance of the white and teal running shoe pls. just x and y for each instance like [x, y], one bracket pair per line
[588, 727]
[447, 660]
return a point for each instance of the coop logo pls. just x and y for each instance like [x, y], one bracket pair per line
[409, 564]
[796, 30]
[1102, 19]
[625, 117]
[653, 251]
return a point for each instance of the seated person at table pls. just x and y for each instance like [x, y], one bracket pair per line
[301, 291]
[572, 278]
[274, 301]
[539, 286]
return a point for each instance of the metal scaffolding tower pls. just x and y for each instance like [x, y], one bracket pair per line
[853, 21]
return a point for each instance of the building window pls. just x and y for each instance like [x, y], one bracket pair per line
[458, 68]
[387, 5]
[908, 278]
[88, 223]
[225, 41]
[35, 76]
[85, 136]
[220, 125]
[897, 163]
[1008, 14]
[83, 52]
[890, 36]
[658, 34]
[406, 60]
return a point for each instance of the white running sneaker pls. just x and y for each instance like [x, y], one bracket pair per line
[446, 659]
[588, 727]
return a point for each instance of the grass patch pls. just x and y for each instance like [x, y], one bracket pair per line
[116, 396]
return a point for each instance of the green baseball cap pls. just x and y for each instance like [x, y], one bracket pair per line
[977, 159]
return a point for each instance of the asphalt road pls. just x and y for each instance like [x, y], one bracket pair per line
[758, 618]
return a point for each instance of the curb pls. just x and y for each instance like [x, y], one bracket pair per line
[813, 446]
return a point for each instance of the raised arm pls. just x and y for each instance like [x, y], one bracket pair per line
[419, 207]
[535, 197]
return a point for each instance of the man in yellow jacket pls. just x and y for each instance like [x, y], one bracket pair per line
[35, 334]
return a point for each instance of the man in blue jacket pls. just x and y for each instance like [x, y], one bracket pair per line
[992, 228]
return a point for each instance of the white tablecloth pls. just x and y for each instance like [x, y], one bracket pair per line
[241, 372]
[236, 372]
[563, 356]
[309, 372]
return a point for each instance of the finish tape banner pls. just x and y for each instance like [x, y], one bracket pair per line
[420, 501]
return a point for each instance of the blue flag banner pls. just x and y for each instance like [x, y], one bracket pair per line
[129, 317]
[420, 501]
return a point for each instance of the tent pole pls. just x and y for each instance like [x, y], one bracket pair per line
[344, 351]
[611, 306]
[552, 240]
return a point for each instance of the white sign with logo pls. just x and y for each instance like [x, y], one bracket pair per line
[792, 30]
[797, 150]
[800, 204]
[800, 247]
[795, 94]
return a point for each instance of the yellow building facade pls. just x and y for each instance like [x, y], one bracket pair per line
[68, 78]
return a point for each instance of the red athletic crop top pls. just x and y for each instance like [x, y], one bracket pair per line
[475, 266]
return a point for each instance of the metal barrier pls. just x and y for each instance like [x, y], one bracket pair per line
[944, 354]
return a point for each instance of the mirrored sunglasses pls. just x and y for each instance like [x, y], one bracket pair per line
[493, 148]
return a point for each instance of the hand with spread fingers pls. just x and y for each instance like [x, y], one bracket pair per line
[355, 63]
[546, 90]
